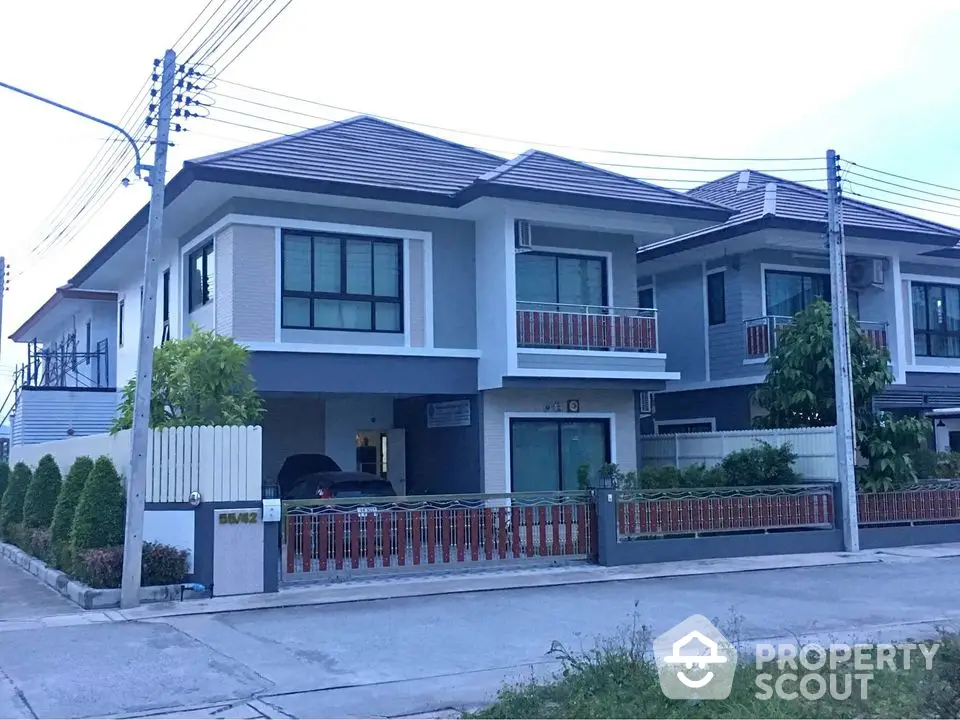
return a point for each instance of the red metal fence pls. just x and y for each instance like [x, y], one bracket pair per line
[438, 532]
[562, 329]
[924, 504]
[694, 511]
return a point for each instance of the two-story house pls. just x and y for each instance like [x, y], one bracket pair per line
[722, 291]
[443, 316]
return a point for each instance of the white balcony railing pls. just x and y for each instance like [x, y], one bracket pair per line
[761, 334]
[586, 327]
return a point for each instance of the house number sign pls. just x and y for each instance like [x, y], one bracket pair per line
[239, 518]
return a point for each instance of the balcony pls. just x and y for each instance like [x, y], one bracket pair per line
[64, 367]
[761, 334]
[586, 327]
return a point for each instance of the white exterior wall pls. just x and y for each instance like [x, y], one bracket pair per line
[345, 416]
[615, 405]
[496, 295]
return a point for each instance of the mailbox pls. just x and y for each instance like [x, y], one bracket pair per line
[271, 510]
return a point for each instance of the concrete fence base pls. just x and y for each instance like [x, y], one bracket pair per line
[87, 597]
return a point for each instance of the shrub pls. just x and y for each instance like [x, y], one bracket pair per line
[36, 542]
[66, 509]
[98, 522]
[11, 507]
[42, 493]
[103, 567]
[763, 465]
[4, 477]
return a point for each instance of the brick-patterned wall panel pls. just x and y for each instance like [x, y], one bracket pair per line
[223, 281]
[417, 294]
[255, 277]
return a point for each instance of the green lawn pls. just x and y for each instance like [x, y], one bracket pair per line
[619, 680]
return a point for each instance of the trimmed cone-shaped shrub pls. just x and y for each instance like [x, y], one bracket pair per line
[99, 519]
[42, 494]
[11, 507]
[4, 477]
[66, 508]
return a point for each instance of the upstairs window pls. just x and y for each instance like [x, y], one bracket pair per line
[120, 324]
[201, 268]
[716, 298]
[563, 283]
[334, 282]
[936, 320]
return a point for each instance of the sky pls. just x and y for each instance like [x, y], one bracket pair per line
[877, 82]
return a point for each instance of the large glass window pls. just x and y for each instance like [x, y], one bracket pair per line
[716, 298]
[546, 453]
[936, 320]
[791, 292]
[333, 282]
[561, 280]
[200, 264]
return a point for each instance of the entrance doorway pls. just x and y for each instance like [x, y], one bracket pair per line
[546, 454]
[383, 453]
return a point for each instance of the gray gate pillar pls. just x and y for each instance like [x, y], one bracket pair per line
[605, 501]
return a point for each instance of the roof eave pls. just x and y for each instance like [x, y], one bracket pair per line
[60, 295]
[554, 197]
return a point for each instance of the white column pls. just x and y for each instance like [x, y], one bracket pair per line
[899, 329]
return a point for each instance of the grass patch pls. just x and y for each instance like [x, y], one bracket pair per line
[618, 678]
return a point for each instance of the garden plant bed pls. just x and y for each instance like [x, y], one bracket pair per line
[87, 597]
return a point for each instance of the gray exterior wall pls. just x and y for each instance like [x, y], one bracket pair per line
[729, 406]
[294, 372]
[680, 320]
[441, 460]
[727, 343]
[44, 415]
[291, 424]
[454, 266]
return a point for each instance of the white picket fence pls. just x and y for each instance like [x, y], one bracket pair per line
[815, 447]
[224, 464]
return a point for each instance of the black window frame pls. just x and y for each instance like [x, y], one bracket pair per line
[682, 427]
[604, 270]
[716, 307]
[372, 299]
[514, 421]
[88, 332]
[120, 307]
[653, 297]
[928, 333]
[206, 287]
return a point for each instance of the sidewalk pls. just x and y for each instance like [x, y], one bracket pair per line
[446, 650]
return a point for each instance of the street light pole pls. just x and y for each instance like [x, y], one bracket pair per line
[140, 436]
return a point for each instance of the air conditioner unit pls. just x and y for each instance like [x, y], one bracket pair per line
[865, 273]
[523, 238]
[647, 406]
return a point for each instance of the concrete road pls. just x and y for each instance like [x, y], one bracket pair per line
[23, 596]
[415, 655]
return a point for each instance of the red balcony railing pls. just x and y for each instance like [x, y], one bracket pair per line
[586, 327]
[761, 334]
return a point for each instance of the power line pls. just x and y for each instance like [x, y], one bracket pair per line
[904, 177]
[902, 186]
[252, 40]
[883, 201]
[200, 28]
[955, 206]
[517, 140]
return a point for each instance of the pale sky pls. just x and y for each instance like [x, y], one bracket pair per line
[877, 82]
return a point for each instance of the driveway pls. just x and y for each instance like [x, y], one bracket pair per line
[23, 596]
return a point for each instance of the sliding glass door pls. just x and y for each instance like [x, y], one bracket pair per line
[561, 282]
[547, 453]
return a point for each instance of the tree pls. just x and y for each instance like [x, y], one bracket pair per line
[66, 508]
[98, 522]
[201, 379]
[11, 507]
[799, 392]
[42, 493]
[4, 477]
[799, 388]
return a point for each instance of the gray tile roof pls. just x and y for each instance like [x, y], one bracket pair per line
[538, 170]
[363, 151]
[802, 202]
[762, 200]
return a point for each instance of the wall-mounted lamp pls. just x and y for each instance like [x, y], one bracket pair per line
[941, 423]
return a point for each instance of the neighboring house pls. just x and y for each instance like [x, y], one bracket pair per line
[68, 384]
[458, 321]
[722, 291]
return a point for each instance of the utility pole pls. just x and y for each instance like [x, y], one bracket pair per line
[140, 436]
[843, 379]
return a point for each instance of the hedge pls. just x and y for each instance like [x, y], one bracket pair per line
[42, 493]
[66, 508]
[98, 522]
[11, 507]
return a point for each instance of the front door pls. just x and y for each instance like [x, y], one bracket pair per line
[547, 453]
